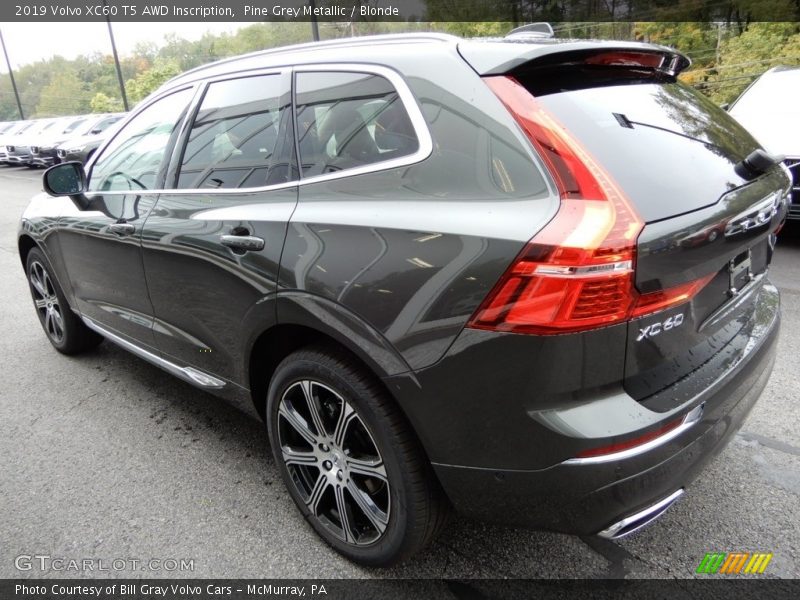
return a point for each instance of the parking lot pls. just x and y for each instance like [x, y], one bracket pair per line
[106, 457]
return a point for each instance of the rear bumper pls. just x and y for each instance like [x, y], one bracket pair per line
[588, 498]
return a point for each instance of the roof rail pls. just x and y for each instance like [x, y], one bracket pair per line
[358, 40]
[532, 30]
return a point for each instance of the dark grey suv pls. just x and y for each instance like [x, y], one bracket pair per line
[524, 278]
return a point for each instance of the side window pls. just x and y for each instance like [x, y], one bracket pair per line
[348, 120]
[234, 141]
[133, 159]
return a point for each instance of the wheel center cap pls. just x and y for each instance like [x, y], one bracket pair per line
[338, 459]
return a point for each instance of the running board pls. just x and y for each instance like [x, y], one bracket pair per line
[188, 374]
[636, 521]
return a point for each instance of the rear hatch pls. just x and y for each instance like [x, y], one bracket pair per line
[707, 233]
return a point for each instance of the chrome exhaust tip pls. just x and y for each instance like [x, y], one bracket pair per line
[635, 522]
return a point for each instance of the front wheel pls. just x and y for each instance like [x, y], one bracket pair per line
[63, 327]
[350, 461]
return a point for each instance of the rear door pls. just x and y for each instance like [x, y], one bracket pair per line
[708, 234]
[212, 245]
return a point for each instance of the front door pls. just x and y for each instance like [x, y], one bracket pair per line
[102, 243]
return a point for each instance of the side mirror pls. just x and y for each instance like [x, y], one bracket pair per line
[96, 131]
[65, 179]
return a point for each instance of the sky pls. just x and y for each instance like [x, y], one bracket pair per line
[29, 42]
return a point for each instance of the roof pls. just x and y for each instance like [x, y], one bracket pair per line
[485, 55]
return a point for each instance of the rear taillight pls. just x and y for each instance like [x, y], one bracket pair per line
[578, 272]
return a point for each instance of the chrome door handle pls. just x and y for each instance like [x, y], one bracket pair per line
[242, 242]
[122, 228]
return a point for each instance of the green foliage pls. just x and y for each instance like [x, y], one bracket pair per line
[151, 79]
[101, 103]
[727, 48]
[742, 58]
[64, 95]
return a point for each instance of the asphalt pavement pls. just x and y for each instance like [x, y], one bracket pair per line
[105, 458]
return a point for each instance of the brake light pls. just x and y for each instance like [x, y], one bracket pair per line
[663, 299]
[629, 59]
[578, 272]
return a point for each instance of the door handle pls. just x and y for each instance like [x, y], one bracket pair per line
[242, 242]
[122, 228]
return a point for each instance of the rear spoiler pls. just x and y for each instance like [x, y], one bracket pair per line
[498, 57]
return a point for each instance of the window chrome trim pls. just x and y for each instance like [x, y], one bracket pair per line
[143, 106]
[403, 91]
[413, 111]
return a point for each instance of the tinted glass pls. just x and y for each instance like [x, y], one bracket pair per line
[234, 138]
[654, 140]
[348, 120]
[133, 159]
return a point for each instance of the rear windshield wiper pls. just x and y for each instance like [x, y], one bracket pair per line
[750, 167]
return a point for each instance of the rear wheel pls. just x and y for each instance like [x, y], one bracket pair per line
[349, 460]
[63, 327]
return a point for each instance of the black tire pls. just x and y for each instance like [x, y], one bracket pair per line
[63, 328]
[409, 504]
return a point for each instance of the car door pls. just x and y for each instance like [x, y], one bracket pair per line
[101, 243]
[212, 244]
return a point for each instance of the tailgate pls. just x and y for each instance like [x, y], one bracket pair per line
[708, 231]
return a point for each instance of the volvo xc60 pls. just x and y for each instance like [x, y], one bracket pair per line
[522, 278]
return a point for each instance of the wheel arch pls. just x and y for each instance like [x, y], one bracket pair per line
[25, 244]
[306, 319]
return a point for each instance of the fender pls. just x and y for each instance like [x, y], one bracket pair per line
[339, 323]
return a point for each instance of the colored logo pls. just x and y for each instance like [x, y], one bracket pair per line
[734, 563]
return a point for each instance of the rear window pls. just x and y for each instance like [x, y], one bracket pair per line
[671, 149]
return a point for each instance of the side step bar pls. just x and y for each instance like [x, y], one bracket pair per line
[636, 521]
[188, 374]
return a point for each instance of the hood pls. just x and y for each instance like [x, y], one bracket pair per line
[81, 141]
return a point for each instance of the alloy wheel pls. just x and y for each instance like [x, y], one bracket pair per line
[46, 301]
[333, 462]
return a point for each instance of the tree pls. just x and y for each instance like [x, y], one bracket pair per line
[64, 95]
[103, 104]
[150, 80]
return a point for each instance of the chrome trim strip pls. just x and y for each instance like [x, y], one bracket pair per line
[403, 91]
[189, 374]
[691, 419]
[646, 516]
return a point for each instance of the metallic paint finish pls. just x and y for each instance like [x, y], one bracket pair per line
[105, 268]
[200, 289]
[392, 262]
